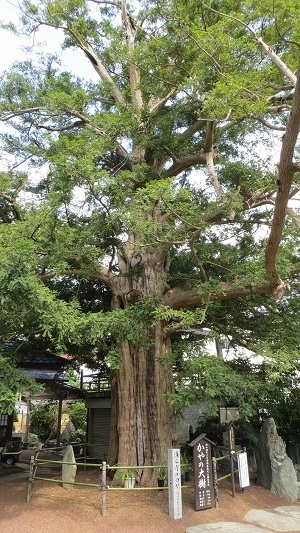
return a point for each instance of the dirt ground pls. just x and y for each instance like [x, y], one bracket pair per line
[53, 509]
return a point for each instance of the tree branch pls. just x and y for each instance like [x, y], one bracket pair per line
[184, 164]
[134, 72]
[14, 207]
[177, 298]
[103, 275]
[99, 67]
[199, 265]
[210, 165]
[274, 57]
[194, 128]
[295, 218]
[285, 180]
[210, 155]
[77, 124]
[269, 125]
[157, 104]
[277, 61]
[13, 114]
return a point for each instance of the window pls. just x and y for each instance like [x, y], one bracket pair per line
[3, 420]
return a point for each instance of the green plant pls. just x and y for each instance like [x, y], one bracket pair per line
[33, 439]
[78, 415]
[79, 435]
[162, 471]
[126, 473]
[42, 420]
[244, 432]
[186, 463]
[245, 436]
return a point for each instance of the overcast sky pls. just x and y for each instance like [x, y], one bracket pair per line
[49, 39]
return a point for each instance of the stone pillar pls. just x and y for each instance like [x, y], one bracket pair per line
[275, 470]
[69, 471]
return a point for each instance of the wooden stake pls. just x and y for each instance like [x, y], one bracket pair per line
[30, 480]
[103, 489]
[215, 482]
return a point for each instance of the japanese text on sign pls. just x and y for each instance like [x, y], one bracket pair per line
[243, 470]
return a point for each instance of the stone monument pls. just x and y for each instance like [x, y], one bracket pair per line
[174, 484]
[68, 470]
[275, 470]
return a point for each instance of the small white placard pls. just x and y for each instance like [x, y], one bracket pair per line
[174, 482]
[243, 470]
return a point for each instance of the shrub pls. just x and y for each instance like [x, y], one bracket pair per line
[42, 420]
[77, 413]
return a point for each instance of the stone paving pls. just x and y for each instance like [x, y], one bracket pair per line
[273, 520]
[226, 527]
[285, 518]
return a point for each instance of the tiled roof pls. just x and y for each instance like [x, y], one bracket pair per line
[44, 359]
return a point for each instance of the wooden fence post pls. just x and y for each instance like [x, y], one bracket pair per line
[103, 488]
[30, 480]
[215, 482]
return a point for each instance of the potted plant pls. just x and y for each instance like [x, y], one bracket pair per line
[162, 472]
[127, 476]
[185, 466]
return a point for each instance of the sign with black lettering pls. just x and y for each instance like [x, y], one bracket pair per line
[243, 470]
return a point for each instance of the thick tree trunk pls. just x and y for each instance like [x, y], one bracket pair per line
[143, 426]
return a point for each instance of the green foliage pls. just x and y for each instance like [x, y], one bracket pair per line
[208, 378]
[126, 473]
[44, 416]
[245, 433]
[100, 171]
[162, 471]
[285, 410]
[73, 378]
[78, 415]
[186, 463]
[42, 420]
[12, 383]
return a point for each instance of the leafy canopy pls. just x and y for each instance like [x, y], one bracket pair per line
[168, 154]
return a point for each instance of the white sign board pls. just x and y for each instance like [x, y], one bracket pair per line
[174, 482]
[243, 470]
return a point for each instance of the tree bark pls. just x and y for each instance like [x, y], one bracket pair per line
[143, 425]
[142, 422]
[285, 179]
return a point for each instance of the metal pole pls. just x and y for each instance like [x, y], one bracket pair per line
[103, 489]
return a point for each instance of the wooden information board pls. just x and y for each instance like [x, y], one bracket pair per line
[204, 490]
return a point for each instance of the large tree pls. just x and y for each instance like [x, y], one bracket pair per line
[155, 182]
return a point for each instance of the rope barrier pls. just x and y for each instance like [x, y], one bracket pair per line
[104, 467]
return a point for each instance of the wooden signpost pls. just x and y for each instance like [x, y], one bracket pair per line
[204, 489]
